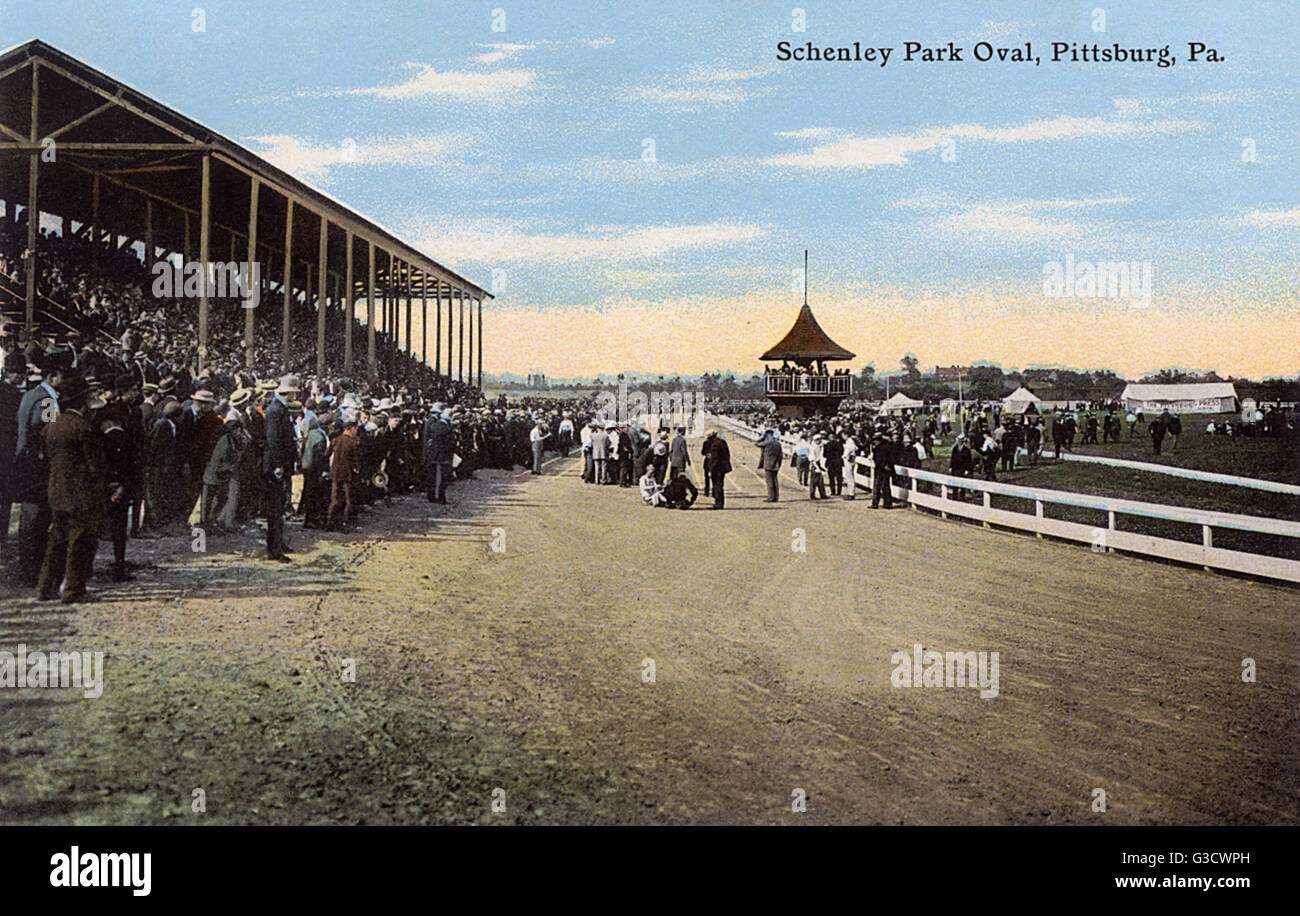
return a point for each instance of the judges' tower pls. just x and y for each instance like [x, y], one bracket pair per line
[803, 387]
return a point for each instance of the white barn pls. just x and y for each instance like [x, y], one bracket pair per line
[1191, 397]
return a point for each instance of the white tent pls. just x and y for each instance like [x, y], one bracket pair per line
[1020, 399]
[1191, 397]
[899, 403]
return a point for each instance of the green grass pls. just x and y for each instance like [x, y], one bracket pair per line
[1151, 486]
[1269, 459]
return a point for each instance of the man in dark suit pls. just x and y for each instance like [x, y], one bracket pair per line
[679, 456]
[883, 456]
[11, 397]
[278, 465]
[76, 496]
[38, 408]
[718, 462]
[439, 446]
[833, 455]
[769, 460]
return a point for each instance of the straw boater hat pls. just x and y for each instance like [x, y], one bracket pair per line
[203, 396]
[167, 384]
[288, 385]
[239, 397]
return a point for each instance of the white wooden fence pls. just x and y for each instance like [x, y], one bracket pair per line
[980, 509]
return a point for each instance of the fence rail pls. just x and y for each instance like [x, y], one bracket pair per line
[777, 383]
[1110, 538]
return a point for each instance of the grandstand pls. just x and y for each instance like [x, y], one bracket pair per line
[130, 181]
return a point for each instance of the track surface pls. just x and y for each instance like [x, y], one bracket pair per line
[522, 670]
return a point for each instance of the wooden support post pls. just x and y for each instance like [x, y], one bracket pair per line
[288, 281]
[460, 338]
[424, 318]
[480, 342]
[148, 234]
[252, 297]
[33, 216]
[388, 318]
[1110, 526]
[988, 504]
[1207, 541]
[406, 288]
[1038, 512]
[943, 494]
[321, 294]
[205, 232]
[437, 329]
[95, 228]
[370, 313]
[351, 309]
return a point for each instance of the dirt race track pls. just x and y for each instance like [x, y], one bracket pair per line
[523, 670]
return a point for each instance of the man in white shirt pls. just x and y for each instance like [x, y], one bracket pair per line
[651, 492]
[588, 463]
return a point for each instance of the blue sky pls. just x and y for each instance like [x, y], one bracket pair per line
[931, 195]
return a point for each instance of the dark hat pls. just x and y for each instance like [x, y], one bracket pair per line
[15, 362]
[74, 391]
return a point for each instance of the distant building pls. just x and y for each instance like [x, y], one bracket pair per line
[951, 373]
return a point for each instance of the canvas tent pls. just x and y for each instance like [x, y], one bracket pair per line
[1019, 400]
[899, 403]
[1191, 397]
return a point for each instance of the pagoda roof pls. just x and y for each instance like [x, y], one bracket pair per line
[807, 340]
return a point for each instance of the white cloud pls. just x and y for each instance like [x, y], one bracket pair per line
[702, 86]
[1016, 221]
[310, 159]
[458, 84]
[1269, 218]
[500, 51]
[853, 151]
[1007, 222]
[502, 241]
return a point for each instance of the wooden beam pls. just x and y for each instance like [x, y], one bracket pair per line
[75, 122]
[33, 214]
[480, 343]
[323, 257]
[249, 303]
[351, 310]
[406, 286]
[370, 312]
[125, 104]
[205, 210]
[109, 147]
[288, 281]
[460, 342]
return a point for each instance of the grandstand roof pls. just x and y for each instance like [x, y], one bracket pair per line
[146, 152]
[806, 340]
